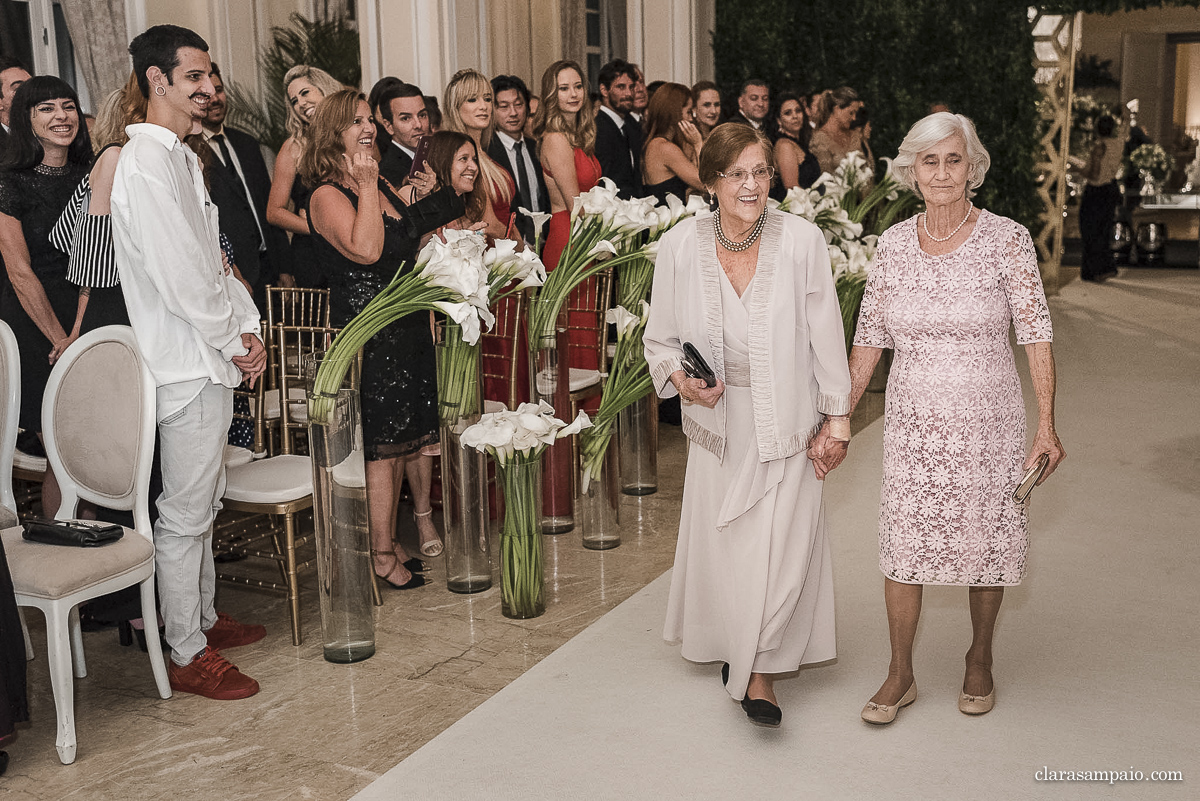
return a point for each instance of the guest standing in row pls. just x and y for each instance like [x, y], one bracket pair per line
[672, 150]
[240, 185]
[944, 290]
[752, 290]
[363, 235]
[48, 154]
[404, 117]
[618, 133]
[836, 136]
[567, 130]
[796, 163]
[706, 106]
[518, 153]
[753, 105]
[287, 205]
[469, 109]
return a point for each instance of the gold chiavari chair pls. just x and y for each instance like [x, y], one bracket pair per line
[292, 307]
[503, 353]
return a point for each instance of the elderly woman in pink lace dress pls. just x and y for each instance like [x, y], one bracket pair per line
[944, 289]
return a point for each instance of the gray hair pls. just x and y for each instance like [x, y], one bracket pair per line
[930, 130]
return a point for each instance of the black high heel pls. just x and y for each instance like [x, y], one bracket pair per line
[414, 565]
[725, 674]
[417, 579]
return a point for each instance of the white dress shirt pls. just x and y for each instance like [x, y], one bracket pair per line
[510, 147]
[187, 314]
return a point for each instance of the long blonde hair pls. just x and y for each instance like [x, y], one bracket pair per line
[122, 107]
[550, 118]
[464, 85]
[317, 77]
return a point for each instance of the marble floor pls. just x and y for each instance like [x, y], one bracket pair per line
[320, 730]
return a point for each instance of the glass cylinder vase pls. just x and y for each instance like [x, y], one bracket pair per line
[637, 426]
[522, 586]
[550, 380]
[344, 570]
[467, 551]
[597, 506]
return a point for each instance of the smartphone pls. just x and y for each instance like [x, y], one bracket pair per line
[419, 157]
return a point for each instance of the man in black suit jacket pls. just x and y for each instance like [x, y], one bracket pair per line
[517, 153]
[404, 116]
[619, 135]
[754, 104]
[239, 184]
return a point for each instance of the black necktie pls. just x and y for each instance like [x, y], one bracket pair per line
[237, 179]
[522, 180]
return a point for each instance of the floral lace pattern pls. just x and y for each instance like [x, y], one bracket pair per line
[954, 421]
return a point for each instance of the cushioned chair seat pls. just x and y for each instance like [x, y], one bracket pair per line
[276, 480]
[297, 411]
[54, 571]
[23, 461]
[580, 379]
[493, 406]
[235, 456]
[351, 471]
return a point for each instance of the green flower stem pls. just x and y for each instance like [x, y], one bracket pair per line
[521, 582]
[628, 382]
[457, 376]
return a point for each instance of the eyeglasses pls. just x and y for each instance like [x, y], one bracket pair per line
[761, 175]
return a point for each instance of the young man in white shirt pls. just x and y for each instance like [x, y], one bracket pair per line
[197, 329]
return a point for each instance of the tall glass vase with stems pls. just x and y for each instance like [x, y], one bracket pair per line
[522, 585]
[597, 506]
[637, 427]
[550, 380]
[464, 470]
[344, 570]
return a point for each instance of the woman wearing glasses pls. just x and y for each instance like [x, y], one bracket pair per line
[751, 290]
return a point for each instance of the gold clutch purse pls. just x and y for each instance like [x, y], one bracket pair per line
[1032, 476]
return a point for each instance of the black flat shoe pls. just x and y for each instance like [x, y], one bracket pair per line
[725, 674]
[762, 711]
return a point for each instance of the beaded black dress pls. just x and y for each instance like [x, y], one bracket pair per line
[36, 197]
[399, 375]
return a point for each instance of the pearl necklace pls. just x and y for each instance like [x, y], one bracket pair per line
[928, 233]
[737, 247]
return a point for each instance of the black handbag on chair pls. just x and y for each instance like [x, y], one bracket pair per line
[79, 533]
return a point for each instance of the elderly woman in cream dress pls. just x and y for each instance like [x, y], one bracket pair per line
[751, 289]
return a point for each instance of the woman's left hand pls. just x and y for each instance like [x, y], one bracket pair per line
[1046, 441]
[692, 134]
[61, 345]
[826, 453]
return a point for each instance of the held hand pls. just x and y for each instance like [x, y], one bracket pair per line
[286, 280]
[363, 169]
[693, 390]
[1045, 441]
[826, 453]
[254, 361]
[56, 352]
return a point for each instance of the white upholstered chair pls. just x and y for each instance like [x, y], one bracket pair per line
[10, 405]
[98, 423]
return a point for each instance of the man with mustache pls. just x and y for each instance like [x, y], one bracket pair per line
[197, 329]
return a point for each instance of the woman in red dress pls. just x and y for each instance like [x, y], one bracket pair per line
[469, 108]
[566, 131]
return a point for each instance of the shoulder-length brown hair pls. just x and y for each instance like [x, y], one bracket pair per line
[664, 114]
[725, 144]
[550, 118]
[443, 146]
[321, 159]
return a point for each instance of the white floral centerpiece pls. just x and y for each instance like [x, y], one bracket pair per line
[516, 441]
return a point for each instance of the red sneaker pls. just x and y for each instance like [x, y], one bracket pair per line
[211, 676]
[228, 633]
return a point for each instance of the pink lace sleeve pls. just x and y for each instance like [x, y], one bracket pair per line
[872, 329]
[1023, 286]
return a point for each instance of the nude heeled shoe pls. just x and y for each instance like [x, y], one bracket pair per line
[882, 714]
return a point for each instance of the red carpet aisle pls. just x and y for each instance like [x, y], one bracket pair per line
[1096, 652]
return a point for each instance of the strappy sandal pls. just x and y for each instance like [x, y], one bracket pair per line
[415, 581]
[430, 549]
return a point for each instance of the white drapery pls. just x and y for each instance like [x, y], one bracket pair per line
[101, 44]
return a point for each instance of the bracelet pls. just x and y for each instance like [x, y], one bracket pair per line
[839, 428]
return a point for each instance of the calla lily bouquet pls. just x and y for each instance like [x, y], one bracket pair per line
[507, 271]
[449, 276]
[628, 381]
[601, 225]
[851, 212]
[516, 441]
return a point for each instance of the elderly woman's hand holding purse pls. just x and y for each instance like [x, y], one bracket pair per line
[694, 390]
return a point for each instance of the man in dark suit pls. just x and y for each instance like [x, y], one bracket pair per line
[12, 75]
[754, 103]
[404, 116]
[618, 134]
[517, 153]
[239, 185]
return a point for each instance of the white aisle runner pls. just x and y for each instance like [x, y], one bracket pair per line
[1097, 652]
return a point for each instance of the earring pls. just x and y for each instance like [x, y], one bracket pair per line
[160, 91]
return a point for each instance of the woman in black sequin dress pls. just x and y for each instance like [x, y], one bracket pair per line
[47, 155]
[362, 233]
[794, 161]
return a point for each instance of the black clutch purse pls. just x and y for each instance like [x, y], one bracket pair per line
[79, 533]
[696, 367]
